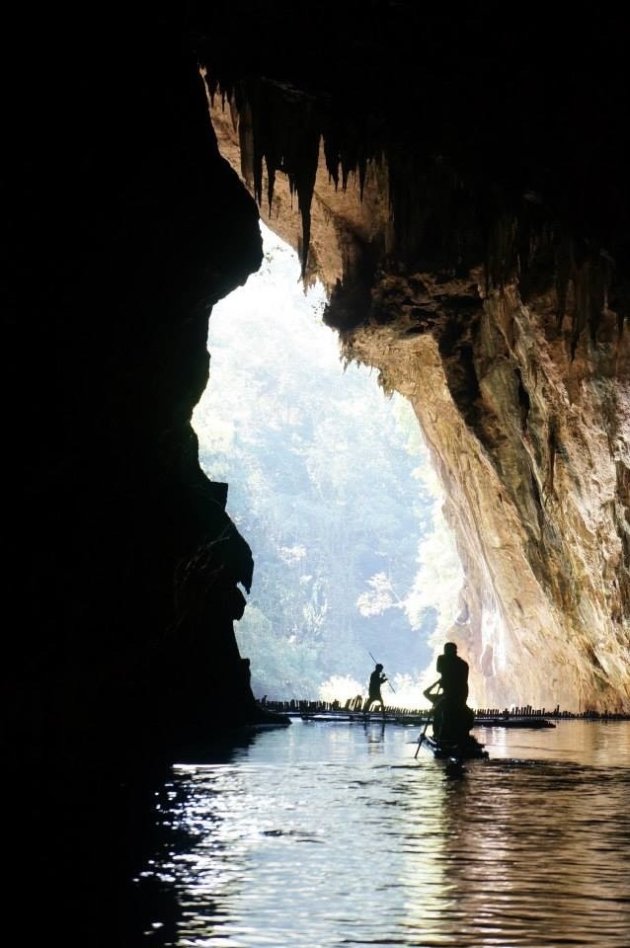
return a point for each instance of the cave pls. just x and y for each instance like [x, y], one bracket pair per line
[457, 179]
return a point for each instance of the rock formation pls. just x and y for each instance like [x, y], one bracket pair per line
[506, 327]
[485, 273]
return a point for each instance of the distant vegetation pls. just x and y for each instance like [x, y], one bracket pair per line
[330, 485]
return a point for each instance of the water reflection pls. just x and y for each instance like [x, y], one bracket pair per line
[325, 835]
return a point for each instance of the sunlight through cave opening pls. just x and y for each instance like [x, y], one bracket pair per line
[331, 485]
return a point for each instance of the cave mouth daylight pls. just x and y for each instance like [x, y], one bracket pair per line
[332, 485]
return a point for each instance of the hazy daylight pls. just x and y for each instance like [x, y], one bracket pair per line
[331, 484]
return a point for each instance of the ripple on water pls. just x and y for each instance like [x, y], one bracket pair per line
[311, 841]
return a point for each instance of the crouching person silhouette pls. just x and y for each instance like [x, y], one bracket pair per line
[452, 718]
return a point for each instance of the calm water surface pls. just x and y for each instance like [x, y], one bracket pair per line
[334, 834]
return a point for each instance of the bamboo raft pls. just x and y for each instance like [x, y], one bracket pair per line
[352, 713]
[411, 718]
[455, 752]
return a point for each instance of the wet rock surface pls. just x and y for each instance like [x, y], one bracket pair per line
[465, 239]
[485, 273]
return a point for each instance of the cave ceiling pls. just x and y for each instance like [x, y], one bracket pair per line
[457, 179]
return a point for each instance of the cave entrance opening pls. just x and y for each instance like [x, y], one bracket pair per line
[331, 485]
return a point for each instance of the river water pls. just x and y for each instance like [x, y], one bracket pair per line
[326, 834]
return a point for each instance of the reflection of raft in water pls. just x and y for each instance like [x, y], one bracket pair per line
[513, 722]
[415, 718]
[454, 751]
[363, 717]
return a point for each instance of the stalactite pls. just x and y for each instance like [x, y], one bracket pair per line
[440, 218]
[563, 275]
[331, 156]
[523, 399]
[552, 447]
[362, 173]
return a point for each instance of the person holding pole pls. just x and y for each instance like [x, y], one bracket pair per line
[432, 694]
[377, 678]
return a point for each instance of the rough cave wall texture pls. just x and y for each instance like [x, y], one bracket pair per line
[465, 208]
[122, 572]
[492, 229]
[491, 247]
[123, 569]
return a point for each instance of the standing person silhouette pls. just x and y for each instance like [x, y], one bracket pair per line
[377, 678]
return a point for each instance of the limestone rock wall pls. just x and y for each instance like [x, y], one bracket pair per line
[349, 219]
[537, 493]
[121, 569]
[518, 370]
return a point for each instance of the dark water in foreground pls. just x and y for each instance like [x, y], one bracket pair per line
[334, 835]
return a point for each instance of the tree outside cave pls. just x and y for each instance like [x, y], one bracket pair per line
[331, 485]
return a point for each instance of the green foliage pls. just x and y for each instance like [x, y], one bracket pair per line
[323, 483]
